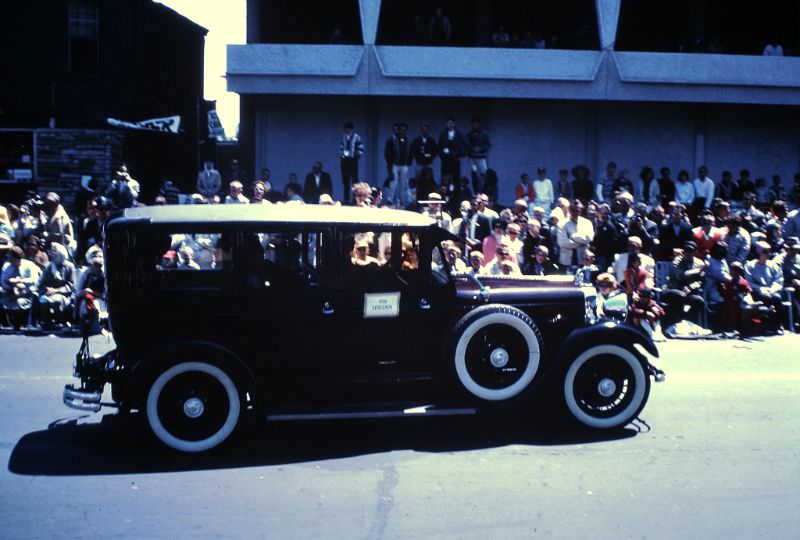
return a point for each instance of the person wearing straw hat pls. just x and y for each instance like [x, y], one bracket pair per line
[432, 207]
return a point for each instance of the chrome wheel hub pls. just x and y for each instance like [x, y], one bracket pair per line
[193, 407]
[499, 357]
[606, 388]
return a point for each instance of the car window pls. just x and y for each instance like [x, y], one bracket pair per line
[192, 260]
[282, 259]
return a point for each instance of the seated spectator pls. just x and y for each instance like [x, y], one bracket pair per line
[361, 194]
[706, 235]
[91, 292]
[18, 280]
[513, 242]
[259, 193]
[541, 264]
[716, 277]
[645, 311]
[737, 240]
[683, 294]
[791, 274]
[475, 262]
[621, 262]
[611, 302]
[169, 191]
[56, 288]
[607, 236]
[235, 195]
[491, 242]
[500, 37]
[635, 278]
[588, 271]
[739, 307]
[186, 259]
[674, 232]
[457, 264]
[34, 253]
[503, 254]
[765, 277]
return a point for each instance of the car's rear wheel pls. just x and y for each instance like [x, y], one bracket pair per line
[193, 406]
[497, 352]
[606, 386]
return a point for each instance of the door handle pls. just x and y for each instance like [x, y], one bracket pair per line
[327, 308]
[424, 304]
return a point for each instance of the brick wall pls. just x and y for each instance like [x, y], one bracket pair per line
[64, 155]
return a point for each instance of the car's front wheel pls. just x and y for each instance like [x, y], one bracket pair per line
[193, 406]
[606, 386]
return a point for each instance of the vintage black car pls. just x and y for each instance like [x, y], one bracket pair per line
[296, 312]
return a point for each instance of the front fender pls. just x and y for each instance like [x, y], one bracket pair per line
[606, 333]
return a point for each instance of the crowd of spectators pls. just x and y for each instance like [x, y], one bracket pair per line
[725, 254]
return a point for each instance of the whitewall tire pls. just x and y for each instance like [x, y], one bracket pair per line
[497, 352]
[606, 387]
[193, 406]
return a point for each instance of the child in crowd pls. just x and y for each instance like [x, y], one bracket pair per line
[645, 311]
[588, 272]
[611, 302]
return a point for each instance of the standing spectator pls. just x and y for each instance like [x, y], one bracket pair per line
[500, 37]
[423, 151]
[440, 31]
[524, 190]
[762, 193]
[575, 236]
[737, 240]
[604, 190]
[451, 146]
[773, 48]
[666, 187]
[123, 190]
[478, 146]
[543, 188]
[727, 189]
[750, 213]
[776, 191]
[746, 185]
[481, 219]
[582, 186]
[317, 182]
[209, 181]
[235, 195]
[684, 189]
[491, 186]
[563, 186]
[703, 190]
[623, 183]
[606, 237]
[397, 153]
[493, 240]
[794, 196]
[533, 239]
[351, 149]
[645, 189]
[765, 277]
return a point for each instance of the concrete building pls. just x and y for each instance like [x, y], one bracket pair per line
[613, 86]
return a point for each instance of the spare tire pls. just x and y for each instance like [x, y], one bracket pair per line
[497, 351]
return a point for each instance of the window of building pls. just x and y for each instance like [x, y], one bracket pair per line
[310, 22]
[713, 26]
[83, 36]
[545, 24]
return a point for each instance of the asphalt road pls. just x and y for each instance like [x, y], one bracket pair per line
[720, 461]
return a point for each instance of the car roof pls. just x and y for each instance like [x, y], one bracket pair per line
[273, 213]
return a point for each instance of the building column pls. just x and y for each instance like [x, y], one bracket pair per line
[370, 11]
[699, 138]
[607, 22]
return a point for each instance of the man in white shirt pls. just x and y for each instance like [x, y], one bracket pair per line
[574, 236]
[703, 189]
[543, 187]
[621, 261]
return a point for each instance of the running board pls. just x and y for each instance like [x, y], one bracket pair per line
[425, 410]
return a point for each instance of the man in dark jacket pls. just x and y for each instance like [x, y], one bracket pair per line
[673, 233]
[317, 182]
[666, 187]
[423, 150]
[478, 145]
[451, 150]
[397, 153]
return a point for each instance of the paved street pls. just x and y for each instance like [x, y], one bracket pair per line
[721, 461]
